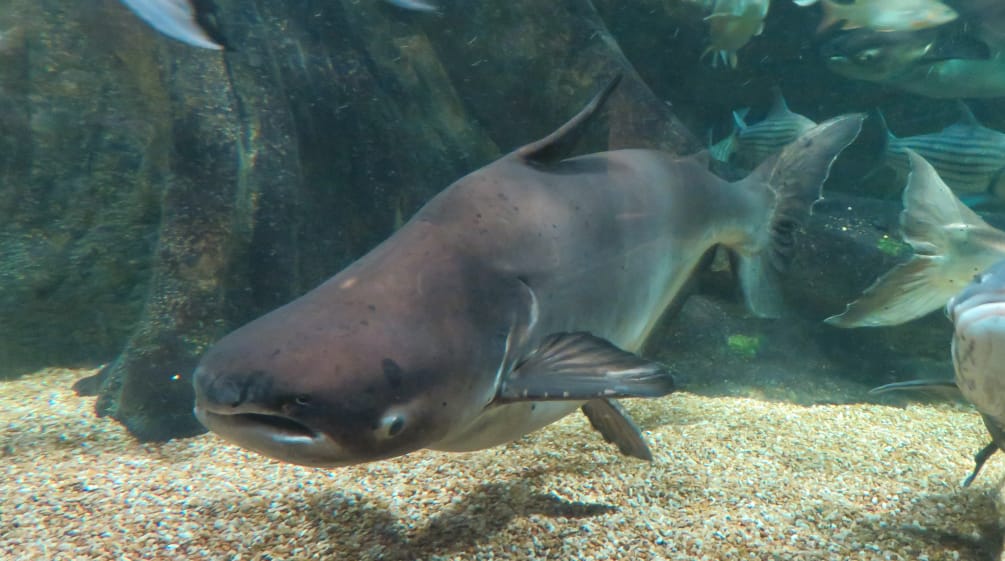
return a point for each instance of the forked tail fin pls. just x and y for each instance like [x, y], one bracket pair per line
[951, 244]
[794, 179]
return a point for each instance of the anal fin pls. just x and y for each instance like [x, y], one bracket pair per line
[614, 424]
[980, 458]
[581, 367]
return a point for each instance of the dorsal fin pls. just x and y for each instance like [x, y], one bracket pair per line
[778, 107]
[882, 123]
[966, 115]
[557, 145]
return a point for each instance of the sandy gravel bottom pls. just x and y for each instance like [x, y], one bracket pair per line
[734, 478]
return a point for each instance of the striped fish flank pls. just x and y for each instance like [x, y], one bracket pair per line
[754, 143]
[968, 156]
[723, 150]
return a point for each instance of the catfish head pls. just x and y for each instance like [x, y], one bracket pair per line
[381, 360]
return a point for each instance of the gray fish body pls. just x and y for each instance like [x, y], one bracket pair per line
[969, 157]
[511, 299]
[978, 349]
[594, 258]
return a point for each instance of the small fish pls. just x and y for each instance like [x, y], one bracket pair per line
[177, 19]
[969, 157]
[724, 149]
[883, 15]
[182, 20]
[896, 57]
[731, 26]
[755, 143]
[951, 244]
[927, 62]
[978, 351]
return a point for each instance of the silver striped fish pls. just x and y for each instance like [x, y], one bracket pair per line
[968, 156]
[754, 143]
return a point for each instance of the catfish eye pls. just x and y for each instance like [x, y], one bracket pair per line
[302, 400]
[391, 426]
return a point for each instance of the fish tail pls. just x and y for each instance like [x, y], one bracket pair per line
[951, 244]
[788, 184]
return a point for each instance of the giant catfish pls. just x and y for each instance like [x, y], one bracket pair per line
[516, 296]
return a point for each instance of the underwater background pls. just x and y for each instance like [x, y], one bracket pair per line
[155, 196]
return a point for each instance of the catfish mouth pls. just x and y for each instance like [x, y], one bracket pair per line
[281, 425]
[276, 436]
[971, 309]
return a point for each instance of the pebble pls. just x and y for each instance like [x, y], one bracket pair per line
[741, 479]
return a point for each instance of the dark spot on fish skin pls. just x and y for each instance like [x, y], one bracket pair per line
[533, 406]
[502, 196]
[392, 373]
[444, 404]
[276, 352]
[371, 307]
[516, 209]
[479, 215]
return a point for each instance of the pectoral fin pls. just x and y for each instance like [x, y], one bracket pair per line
[614, 424]
[582, 367]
